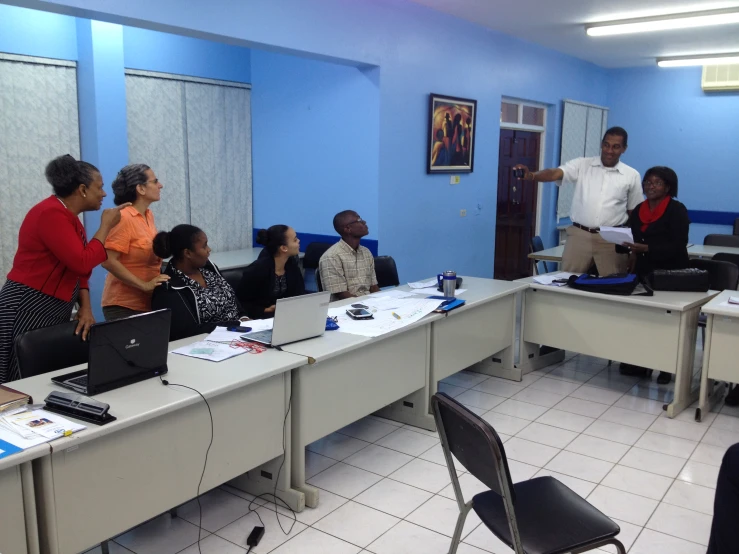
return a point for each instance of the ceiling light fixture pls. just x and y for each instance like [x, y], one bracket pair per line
[703, 59]
[664, 22]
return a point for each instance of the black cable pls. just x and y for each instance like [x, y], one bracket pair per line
[205, 463]
[277, 478]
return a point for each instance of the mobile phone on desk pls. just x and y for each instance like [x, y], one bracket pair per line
[359, 313]
[239, 329]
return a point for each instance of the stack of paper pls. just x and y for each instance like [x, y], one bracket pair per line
[389, 314]
[21, 429]
[617, 235]
[423, 284]
[211, 351]
[550, 278]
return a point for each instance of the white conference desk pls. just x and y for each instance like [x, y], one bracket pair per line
[18, 519]
[694, 251]
[720, 351]
[657, 331]
[106, 479]
[353, 376]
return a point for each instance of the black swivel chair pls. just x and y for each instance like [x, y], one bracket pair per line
[313, 253]
[50, 348]
[731, 241]
[736, 226]
[722, 275]
[725, 257]
[538, 516]
[386, 272]
[536, 245]
[233, 276]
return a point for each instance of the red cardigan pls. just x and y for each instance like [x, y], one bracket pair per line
[53, 253]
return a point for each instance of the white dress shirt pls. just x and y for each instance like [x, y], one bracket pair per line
[602, 194]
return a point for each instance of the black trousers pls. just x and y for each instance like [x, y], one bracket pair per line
[725, 528]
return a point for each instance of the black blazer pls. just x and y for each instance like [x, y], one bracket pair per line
[176, 295]
[667, 239]
[256, 289]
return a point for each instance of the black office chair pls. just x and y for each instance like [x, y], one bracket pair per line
[736, 226]
[731, 241]
[538, 516]
[726, 257]
[50, 348]
[722, 275]
[233, 276]
[386, 272]
[313, 253]
[536, 245]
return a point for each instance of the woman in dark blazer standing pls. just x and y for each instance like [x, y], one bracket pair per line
[660, 227]
[273, 276]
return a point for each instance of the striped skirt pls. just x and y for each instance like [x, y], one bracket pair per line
[22, 309]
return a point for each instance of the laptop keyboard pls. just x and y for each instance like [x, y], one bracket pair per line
[80, 381]
[262, 336]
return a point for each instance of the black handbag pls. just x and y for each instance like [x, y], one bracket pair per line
[684, 280]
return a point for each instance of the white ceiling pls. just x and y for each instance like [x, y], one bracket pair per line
[558, 24]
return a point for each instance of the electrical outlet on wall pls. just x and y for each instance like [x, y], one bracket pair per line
[454, 180]
[462, 213]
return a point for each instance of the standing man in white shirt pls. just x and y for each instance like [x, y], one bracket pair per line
[606, 190]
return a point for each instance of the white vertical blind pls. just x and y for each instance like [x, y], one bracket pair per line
[38, 122]
[583, 126]
[196, 136]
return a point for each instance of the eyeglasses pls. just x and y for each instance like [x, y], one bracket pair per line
[362, 221]
[653, 184]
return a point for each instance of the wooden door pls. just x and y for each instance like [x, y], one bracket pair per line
[516, 211]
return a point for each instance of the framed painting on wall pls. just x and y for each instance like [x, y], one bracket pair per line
[451, 139]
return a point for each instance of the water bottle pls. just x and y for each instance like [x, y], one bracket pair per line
[447, 282]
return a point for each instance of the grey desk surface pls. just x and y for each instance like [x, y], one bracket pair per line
[149, 399]
[714, 307]
[678, 301]
[694, 251]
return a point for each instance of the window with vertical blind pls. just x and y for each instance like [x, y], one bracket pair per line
[38, 122]
[583, 126]
[196, 136]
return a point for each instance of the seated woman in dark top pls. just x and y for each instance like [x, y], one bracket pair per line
[660, 227]
[273, 276]
[199, 297]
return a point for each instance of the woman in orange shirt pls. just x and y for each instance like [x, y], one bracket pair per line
[134, 271]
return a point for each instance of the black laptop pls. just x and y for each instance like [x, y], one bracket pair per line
[122, 352]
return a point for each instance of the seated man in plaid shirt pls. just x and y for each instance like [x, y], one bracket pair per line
[348, 269]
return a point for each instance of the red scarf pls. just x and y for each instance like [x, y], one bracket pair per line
[648, 216]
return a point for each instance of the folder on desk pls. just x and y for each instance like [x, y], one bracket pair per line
[10, 399]
[448, 303]
[6, 449]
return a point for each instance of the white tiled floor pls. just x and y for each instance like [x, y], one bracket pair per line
[386, 489]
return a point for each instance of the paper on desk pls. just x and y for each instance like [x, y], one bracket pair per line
[732, 302]
[393, 293]
[211, 351]
[29, 428]
[407, 310]
[434, 291]
[617, 235]
[423, 284]
[548, 279]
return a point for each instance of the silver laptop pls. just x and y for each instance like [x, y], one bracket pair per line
[296, 318]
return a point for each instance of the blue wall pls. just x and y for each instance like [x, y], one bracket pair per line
[418, 51]
[672, 122]
[35, 33]
[316, 142]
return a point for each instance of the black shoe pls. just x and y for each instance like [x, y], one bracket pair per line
[664, 378]
[632, 370]
[732, 399]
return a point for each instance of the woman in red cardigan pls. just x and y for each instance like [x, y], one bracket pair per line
[54, 260]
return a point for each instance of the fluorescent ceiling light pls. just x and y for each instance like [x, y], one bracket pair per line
[664, 22]
[704, 59]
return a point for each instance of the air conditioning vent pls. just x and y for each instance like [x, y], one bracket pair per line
[720, 77]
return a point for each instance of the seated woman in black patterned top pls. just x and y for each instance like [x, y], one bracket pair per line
[198, 295]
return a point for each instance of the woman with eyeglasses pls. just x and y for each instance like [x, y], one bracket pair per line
[134, 270]
[273, 276]
[660, 228]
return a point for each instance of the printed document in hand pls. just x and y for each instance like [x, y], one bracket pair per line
[550, 278]
[388, 313]
[617, 235]
[211, 351]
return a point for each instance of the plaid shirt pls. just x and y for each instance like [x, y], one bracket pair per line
[344, 269]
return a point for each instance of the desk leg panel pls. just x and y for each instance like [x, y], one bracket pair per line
[331, 394]
[12, 517]
[601, 328]
[106, 486]
[684, 393]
